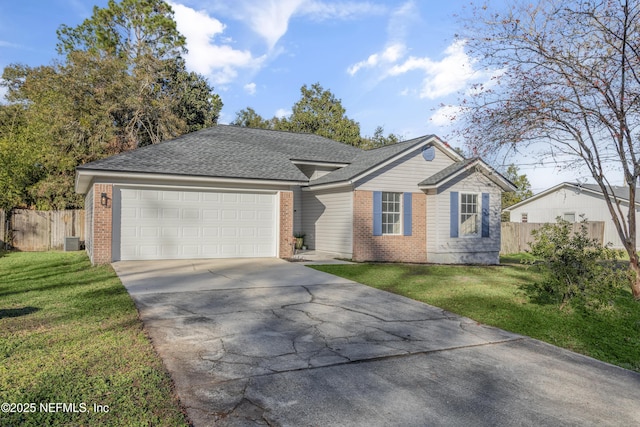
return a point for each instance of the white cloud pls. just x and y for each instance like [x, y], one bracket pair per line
[323, 11]
[218, 61]
[441, 77]
[449, 75]
[282, 112]
[7, 44]
[270, 19]
[446, 115]
[250, 88]
[389, 55]
[395, 49]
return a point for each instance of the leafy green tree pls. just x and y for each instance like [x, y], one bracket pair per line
[20, 157]
[121, 84]
[250, 119]
[579, 270]
[318, 111]
[162, 99]
[566, 77]
[523, 189]
[379, 140]
[131, 29]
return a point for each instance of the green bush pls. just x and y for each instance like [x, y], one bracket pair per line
[579, 270]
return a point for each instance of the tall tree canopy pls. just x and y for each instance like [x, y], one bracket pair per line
[568, 78]
[523, 189]
[120, 84]
[318, 111]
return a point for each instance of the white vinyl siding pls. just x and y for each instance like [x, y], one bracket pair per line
[169, 224]
[547, 208]
[327, 221]
[441, 248]
[405, 173]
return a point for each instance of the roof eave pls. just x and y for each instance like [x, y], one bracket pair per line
[84, 177]
[487, 170]
[427, 140]
[558, 186]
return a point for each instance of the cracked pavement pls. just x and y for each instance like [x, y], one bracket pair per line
[266, 342]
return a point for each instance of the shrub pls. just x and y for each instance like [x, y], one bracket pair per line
[579, 270]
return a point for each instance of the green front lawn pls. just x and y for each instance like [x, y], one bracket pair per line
[70, 334]
[491, 295]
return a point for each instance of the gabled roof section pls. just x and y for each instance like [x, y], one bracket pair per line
[230, 152]
[620, 192]
[369, 161]
[451, 172]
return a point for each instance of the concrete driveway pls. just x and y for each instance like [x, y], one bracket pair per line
[267, 342]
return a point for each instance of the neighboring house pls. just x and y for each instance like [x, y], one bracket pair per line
[229, 191]
[572, 202]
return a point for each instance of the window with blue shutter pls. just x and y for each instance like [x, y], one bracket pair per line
[392, 213]
[453, 214]
[485, 215]
[407, 213]
[377, 213]
[469, 214]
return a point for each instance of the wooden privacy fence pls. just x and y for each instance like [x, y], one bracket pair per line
[515, 236]
[32, 231]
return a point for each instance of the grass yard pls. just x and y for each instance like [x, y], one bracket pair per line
[70, 334]
[491, 295]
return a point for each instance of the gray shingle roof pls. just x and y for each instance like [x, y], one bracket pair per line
[621, 192]
[232, 152]
[448, 171]
[366, 160]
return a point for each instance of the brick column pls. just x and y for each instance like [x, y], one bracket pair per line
[102, 224]
[286, 225]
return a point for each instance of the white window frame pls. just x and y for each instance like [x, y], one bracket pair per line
[478, 213]
[524, 217]
[399, 213]
[564, 216]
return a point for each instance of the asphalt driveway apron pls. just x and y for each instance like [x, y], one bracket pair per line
[267, 342]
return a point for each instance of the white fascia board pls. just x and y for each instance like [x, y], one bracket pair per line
[432, 140]
[328, 186]
[557, 187]
[486, 170]
[537, 196]
[85, 176]
[444, 146]
[392, 159]
[330, 164]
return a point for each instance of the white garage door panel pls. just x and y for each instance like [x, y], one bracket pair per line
[165, 224]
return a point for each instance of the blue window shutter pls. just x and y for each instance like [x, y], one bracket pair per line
[407, 213]
[454, 215]
[377, 213]
[485, 215]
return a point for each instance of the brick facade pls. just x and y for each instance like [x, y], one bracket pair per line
[286, 225]
[367, 247]
[102, 224]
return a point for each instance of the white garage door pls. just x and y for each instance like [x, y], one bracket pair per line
[167, 224]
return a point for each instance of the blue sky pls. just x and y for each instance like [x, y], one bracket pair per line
[392, 63]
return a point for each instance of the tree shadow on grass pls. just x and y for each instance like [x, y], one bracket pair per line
[17, 312]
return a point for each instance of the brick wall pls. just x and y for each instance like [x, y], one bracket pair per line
[286, 225]
[102, 224]
[367, 247]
